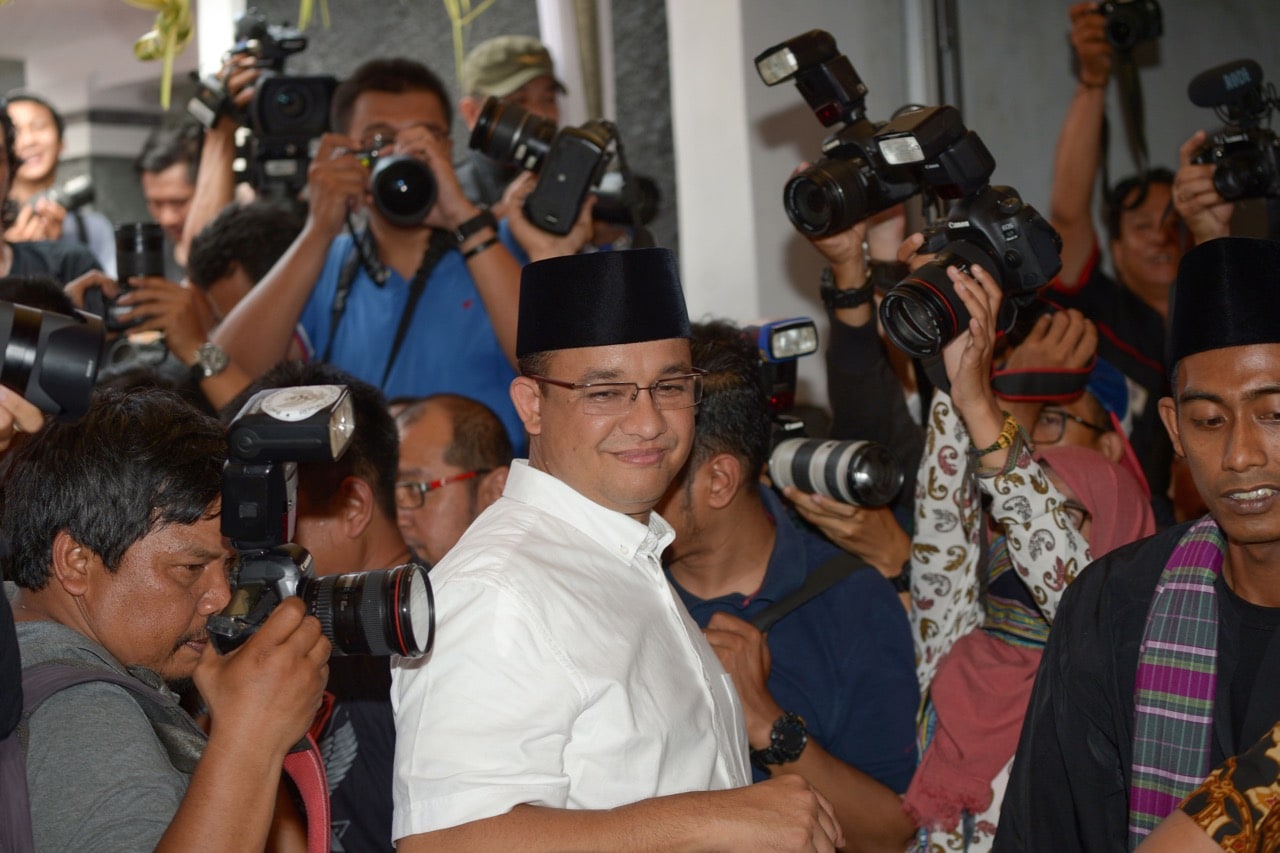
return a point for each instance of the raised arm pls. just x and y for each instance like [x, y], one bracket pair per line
[1078, 154]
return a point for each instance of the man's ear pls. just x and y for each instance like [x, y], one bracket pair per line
[527, 397]
[1169, 414]
[72, 564]
[723, 474]
[491, 486]
[1111, 445]
[355, 507]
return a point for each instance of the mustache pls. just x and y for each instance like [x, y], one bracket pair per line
[195, 637]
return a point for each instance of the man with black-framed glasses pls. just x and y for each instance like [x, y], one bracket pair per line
[570, 701]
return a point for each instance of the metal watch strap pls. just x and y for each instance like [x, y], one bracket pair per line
[483, 219]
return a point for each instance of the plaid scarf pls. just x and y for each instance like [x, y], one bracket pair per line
[1177, 673]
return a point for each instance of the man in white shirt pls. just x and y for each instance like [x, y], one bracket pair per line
[570, 701]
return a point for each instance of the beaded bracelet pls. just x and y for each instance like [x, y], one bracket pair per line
[1004, 440]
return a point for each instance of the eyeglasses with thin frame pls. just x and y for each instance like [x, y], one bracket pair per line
[411, 494]
[617, 398]
[1052, 424]
[1076, 513]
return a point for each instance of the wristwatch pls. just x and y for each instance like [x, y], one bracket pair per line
[836, 299]
[210, 361]
[788, 739]
[483, 219]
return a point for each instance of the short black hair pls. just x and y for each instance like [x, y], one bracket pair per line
[252, 235]
[733, 416]
[1114, 204]
[170, 144]
[19, 96]
[133, 463]
[10, 140]
[36, 291]
[480, 441]
[374, 453]
[396, 76]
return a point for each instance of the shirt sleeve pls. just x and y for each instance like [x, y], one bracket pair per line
[483, 721]
[944, 550]
[99, 778]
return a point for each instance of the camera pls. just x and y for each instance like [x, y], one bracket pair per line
[1245, 155]
[403, 187]
[286, 113]
[1131, 22]
[362, 613]
[72, 195]
[569, 161]
[988, 226]
[51, 359]
[852, 181]
[862, 473]
[139, 252]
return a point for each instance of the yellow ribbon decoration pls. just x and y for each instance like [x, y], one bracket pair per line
[172, 32]
[306, 10]
[461, 14]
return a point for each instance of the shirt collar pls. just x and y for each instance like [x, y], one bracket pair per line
[615, 531]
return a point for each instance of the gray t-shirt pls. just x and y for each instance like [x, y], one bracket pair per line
[99, 776]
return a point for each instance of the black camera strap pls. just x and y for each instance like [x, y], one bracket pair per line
[641, 236]
[819, 580]
[364, 254]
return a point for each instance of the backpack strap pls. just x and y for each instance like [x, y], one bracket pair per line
[305, 768]
[819, 580]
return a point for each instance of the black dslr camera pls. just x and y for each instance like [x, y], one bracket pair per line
[362, 613]
[862, 473]
[403, 187]
[989, 226]
[569, 161]
[1245, 154]
[1131, 22]
[851, 181]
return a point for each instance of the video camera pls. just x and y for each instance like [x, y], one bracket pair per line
[569, 161]
[862, 473]
[988, 226]
[50, 359]
[1245, 155]
[852, 181]
[286, 114]
[362, 613]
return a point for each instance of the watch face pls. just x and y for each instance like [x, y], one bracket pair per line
[790, 739]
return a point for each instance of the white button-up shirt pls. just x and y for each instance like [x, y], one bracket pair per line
[566, 672]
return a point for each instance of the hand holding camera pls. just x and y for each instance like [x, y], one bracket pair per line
[968, 360]
[337, 182]
[1198, 202]
[1093, 53]
[177, 311]
[539, 243]
[16, 415]
[40, 220]
[274, 684]
[869, 532]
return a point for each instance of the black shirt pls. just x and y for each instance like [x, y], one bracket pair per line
[63, 262]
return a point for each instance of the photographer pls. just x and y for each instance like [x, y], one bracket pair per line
[62, 261]
[1197, 200]
[118, 556]
[1143, 243]
[166, 169]
[460, 334]
[842, 662]
[39, 144]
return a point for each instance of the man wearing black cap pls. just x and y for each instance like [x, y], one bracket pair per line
[570, 700]
[1156, 667]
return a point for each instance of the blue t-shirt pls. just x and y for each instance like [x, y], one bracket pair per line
[450, 345]
[842, 660]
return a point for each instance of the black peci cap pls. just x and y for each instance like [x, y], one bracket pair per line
[600, 299]
[1227, 295]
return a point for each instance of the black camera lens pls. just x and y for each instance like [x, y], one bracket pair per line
[390, 612]
[1245, 174]
[923, 313]
[1131, 22]
[139, 250]
[827, 198]
[509, 134]
[291, 102]
[51, 359]
[863, 473]
[403, 188]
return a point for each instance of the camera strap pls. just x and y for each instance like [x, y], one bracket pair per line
[364, 254]
[819, 580]
[1055, 385]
